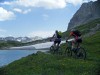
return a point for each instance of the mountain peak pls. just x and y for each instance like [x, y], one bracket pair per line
[87, 12]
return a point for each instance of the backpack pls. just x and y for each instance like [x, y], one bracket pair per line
[77, 32]
[59, 35]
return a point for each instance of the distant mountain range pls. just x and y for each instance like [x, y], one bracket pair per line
[20, 39]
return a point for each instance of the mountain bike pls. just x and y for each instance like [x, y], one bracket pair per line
[55, 49]
[78, 52]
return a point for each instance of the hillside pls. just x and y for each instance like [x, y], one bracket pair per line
[7, 44]
[86, 29]
[48, 64]
[87, 12]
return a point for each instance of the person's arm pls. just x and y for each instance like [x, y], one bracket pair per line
[68, 38]
[52, 37]
[76, 37]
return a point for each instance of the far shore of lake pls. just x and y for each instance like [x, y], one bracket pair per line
[40, 46]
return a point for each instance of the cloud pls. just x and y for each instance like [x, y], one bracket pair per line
[6, 15]
[74, 2]
[77, 2]
[17, 10]
[51, 4]
[6, 3]
[89, 0]
[47, 4]
[22, 11]
[26, 11]
[42, 34]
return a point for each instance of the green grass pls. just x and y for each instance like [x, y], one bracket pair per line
[88, 26]
[48, 64]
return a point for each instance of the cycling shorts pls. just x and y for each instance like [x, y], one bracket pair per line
[58, 40]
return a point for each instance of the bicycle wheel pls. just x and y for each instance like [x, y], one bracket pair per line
[68, 51]
[52, 49]
[56, 50]
[59, 52]
[81, 53]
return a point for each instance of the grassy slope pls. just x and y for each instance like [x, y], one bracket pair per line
[48, 64]
[85, 28]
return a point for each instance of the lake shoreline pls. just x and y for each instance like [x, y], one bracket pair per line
[40, 46]
[9, 56]
[25, 49]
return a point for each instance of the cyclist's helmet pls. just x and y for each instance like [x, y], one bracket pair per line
[56, 31]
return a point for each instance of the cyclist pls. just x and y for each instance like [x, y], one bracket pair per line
[76, 40]
[57, 38]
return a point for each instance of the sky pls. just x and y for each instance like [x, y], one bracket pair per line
[20, 18]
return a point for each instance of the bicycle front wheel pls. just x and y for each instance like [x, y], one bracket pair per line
[52, 49]
[81, 53]
[68, 52]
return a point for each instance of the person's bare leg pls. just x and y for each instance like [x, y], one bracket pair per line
[73, 44]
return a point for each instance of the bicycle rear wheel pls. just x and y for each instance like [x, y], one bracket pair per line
[68, 52]
[81, 53]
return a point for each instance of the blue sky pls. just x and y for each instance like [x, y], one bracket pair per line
[36, 17]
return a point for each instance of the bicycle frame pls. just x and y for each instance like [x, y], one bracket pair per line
[69, 44]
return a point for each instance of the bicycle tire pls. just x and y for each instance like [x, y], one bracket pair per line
[68, 52]
[51, 49]
[59, 52]
[56, 50]
[81, 53]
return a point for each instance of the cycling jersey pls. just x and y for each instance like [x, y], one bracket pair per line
[73, 34]
[77, 38]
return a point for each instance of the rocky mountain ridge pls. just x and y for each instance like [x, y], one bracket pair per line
[87, 12]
